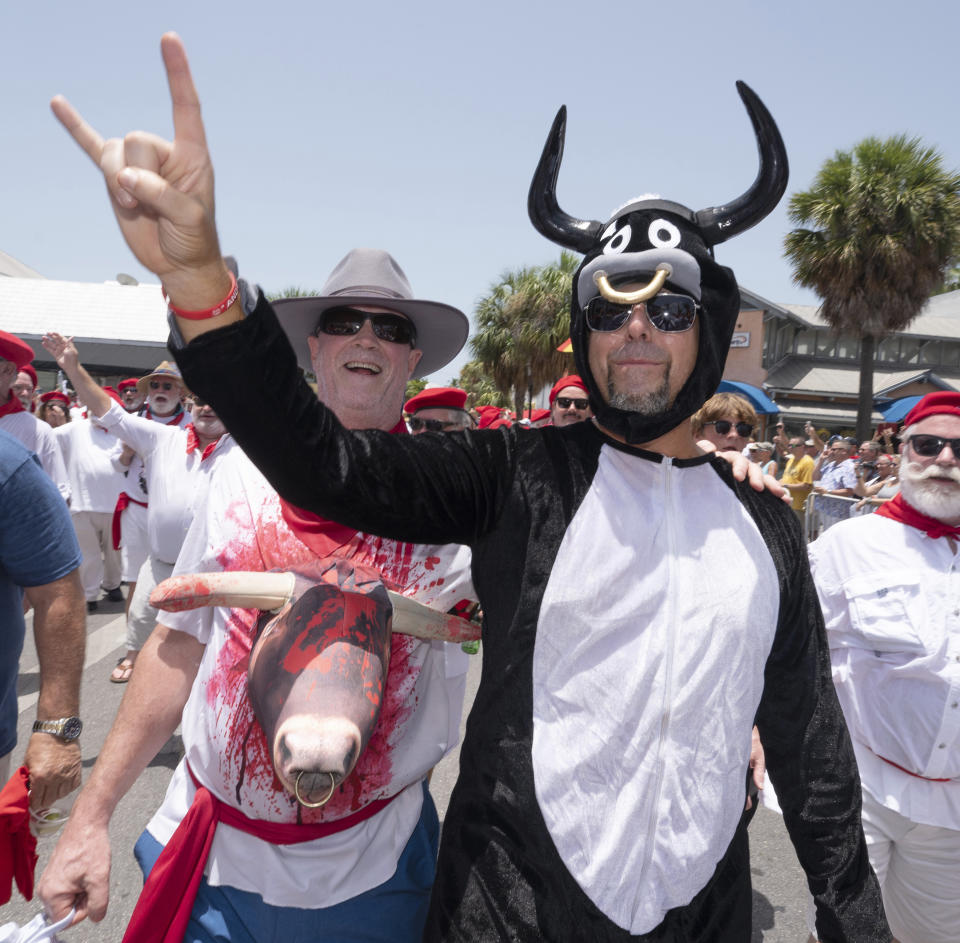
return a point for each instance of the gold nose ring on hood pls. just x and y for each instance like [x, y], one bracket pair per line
[663, 272]
[323, 801]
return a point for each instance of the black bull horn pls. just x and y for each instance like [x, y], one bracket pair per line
[716, 223]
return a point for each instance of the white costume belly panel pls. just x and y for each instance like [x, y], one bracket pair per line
[648, 668]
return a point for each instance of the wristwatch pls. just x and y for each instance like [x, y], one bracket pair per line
[66, 728]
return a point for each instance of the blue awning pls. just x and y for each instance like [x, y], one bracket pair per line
[898, 409]
[758, 399]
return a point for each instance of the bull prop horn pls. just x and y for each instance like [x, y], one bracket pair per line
[270, 592]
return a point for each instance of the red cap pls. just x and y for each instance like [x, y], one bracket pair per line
[437, 397]
[497, 423]
[55, 396]
[126, 384]
[112, 393]
[30, 372]
[934, 404]
[563, 383]
[15, 350]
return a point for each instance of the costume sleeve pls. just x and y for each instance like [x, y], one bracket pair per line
[37, 541]
[435, 488]
[809, 755]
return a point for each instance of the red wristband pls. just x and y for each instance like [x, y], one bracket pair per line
[209, 312]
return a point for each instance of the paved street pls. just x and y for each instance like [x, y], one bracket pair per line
[778, 885]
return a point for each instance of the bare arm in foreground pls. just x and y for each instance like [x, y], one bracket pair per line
[78, 874]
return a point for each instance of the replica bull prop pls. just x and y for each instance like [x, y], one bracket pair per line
[319, 661]
[654, 244]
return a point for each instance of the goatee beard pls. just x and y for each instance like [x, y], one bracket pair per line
[653, 403]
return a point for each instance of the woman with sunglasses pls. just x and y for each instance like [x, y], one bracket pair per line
[726, 421]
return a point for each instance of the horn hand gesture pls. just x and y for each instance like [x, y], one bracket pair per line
[162, 191]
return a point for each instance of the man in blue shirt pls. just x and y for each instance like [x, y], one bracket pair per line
[38, 549]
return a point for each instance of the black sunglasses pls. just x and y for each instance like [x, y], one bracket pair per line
[723, 426]
[669, 313]
[343, 322]
[565, 402]
[930, 446]
[426, 425]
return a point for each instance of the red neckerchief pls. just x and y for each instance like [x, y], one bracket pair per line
[163, 908]
[897, 509]
[193, 442]
[18, 850]
[323, 537]
[12, 405]
[173, 420]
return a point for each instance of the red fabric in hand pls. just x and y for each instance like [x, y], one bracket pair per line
[18, 846]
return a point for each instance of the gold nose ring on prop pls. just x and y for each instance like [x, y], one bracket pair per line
[314, 805]
[663, 272]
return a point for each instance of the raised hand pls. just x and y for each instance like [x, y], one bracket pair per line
[162, 191]
[62, 349]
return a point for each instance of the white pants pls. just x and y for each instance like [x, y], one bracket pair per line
[142, 617]
[918, 867]
[134, 546]
[101, 563]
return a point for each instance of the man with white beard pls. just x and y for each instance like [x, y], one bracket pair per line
[889, 585]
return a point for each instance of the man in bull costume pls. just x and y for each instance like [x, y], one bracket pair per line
[642, 607]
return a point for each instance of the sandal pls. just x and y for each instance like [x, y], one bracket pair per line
[122, 671]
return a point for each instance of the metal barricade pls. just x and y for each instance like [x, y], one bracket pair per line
[824, 510]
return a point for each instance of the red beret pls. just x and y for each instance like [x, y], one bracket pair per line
[125, 384]
[934, 404]
[55, 396]
[15, 350]
[497, 423]
[563, 383]
[437, 397]
[112, 393]
[30, 372]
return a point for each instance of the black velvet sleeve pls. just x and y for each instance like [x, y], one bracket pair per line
[808, 751]
[437, 488]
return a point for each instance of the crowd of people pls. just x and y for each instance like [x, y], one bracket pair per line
[654, 636]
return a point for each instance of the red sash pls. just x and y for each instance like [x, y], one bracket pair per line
[123, 502]
[323, 537]
[12, 405]
[163, 909]
[897, 509]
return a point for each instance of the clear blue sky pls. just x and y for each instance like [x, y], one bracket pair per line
[415, 127]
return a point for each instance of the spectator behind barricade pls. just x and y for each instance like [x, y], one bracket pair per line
[813, 445]
[438, 409]
[726, 421]
[54, 409]
[763, 455]
[569, 402]
[798, 474]
[881, 486]
[37, 436]
[25, 387]
[835, 471]
[87, 447]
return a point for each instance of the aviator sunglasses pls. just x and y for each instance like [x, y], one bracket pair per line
[723, 426]
[344, 322]
[668, 313]
[930, 446]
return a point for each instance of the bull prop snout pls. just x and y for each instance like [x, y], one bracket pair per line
[318, 664]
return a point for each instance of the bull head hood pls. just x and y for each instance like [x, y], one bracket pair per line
[650, 234]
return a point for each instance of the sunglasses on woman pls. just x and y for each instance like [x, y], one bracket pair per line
[344, 322]
[930, 446]
[668, 313]
[723, 427]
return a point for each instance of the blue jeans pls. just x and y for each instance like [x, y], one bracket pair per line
[394, 912]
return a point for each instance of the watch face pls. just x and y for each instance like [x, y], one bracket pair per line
[72, 727]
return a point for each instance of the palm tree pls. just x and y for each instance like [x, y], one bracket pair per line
[881, 224]
[519, 324]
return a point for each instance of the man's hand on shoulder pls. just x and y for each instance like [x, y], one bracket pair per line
[745, 470]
